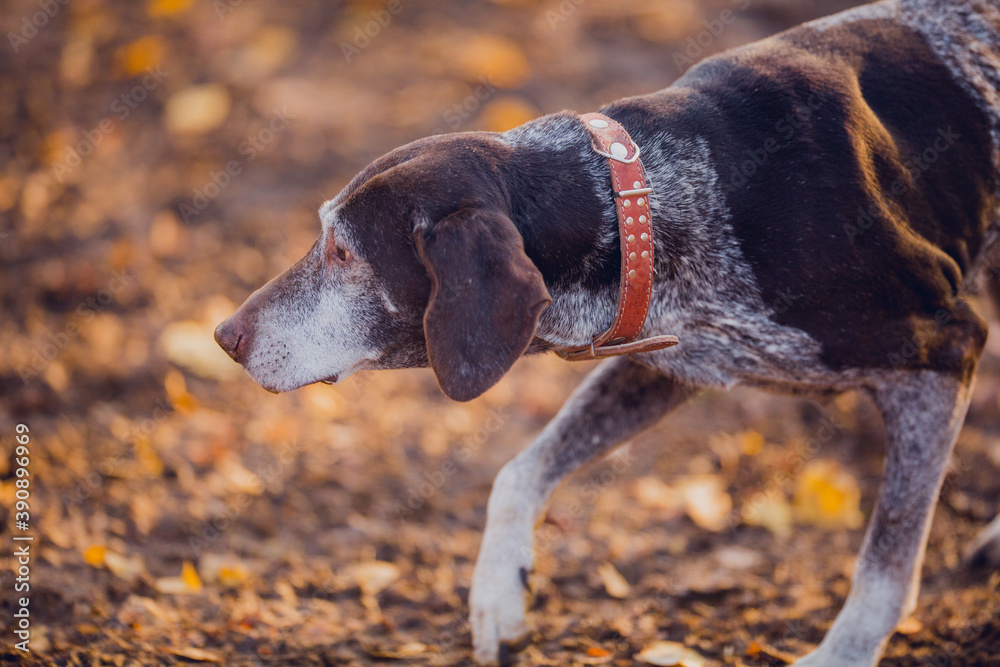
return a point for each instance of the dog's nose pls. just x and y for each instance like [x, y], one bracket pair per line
[230, 335]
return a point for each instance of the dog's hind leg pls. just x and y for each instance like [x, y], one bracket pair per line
[986, 549]
[923, 412]
[616, 401]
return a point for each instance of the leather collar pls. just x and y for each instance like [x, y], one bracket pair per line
[635, 228]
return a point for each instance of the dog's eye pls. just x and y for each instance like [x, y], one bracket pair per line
[337, 252]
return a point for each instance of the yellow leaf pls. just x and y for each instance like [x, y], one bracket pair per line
[497, 60]
[751, 442]
[504, 114]
[94, 555]
[771, 511]
[826, 495]
[158, 8]
[140, 55]
[189, 575]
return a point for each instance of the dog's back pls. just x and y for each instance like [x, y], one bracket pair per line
[963, 35]
[877, 190]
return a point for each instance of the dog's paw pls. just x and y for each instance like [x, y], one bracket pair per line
[986, 549]
[498, 601]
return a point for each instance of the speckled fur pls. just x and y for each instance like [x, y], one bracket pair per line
[707, 291]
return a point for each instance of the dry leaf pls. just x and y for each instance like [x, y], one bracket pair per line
[196, 654]
[670, 653]
[187, 582]
[771, 511]
[197, 109]
[751, 443]
[140, 55]
[504, 114]
[706, 501]
[124, 567]
[614, 583]
[94, 555]
[157, 8]
[910, 626]
[826, 495]
[495, 59]
[192, 345]
[652, 493]
[372, 577]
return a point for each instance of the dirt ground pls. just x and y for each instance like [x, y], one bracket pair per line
[160, 160]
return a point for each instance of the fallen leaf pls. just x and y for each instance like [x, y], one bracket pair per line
[669, 654]
[188, 582]
[196, 654]
[142, 54]
[372, 577]
[652, 493]
[190, 576]
[910, 626]
[828, 496]
[197, 109]
[157, 8]
[771, 511]
[504, 114]
[94, 555]
[124, 567]
[706, 501]
[751, 443]
[191, 345]
[496, 59]
[614, 583]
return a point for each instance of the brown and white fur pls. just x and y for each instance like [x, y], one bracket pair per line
[823, 200]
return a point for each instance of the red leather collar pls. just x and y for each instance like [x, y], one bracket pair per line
[635, 228]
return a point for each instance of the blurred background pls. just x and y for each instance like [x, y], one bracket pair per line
[160, 159]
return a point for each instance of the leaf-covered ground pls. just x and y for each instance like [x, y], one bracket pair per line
[161, 159]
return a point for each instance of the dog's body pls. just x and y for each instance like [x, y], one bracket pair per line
[822, 200]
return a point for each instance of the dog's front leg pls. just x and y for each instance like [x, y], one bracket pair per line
[616, 401]
[923, 414]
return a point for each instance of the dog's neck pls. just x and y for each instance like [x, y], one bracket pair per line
[561, 201]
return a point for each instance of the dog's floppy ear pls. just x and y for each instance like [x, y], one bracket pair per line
[486, 296]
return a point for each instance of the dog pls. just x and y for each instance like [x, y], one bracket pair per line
[822, 202]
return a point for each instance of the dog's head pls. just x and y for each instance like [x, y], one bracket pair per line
[418, 263]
